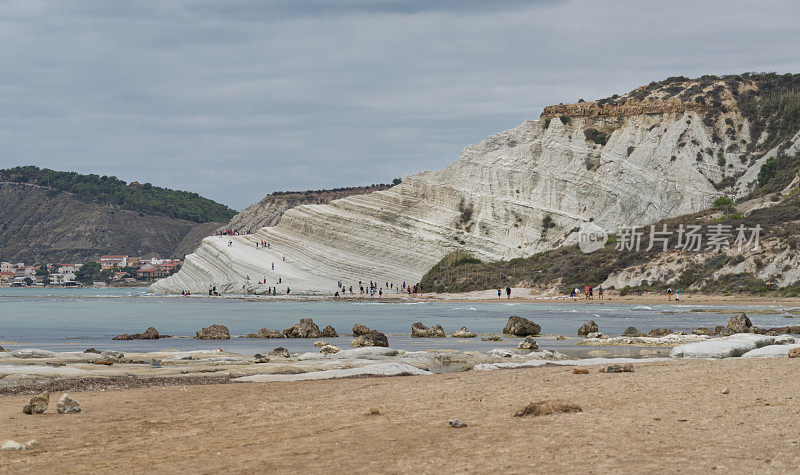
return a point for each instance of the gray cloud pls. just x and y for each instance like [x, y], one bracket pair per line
[235, 99]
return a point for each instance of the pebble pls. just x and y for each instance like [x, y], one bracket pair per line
[456, 423]
[725, 391]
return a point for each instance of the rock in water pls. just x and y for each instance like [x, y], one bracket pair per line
[265, 333]
[280, 351]
[794, 353]
[703, 331]
[493, 338]
[463, 333]
[329, 332]
[659, 332]
[320, 343]
[418, 330]
[149, 334]
[92, 350]
[305, 329]
[37, 404]
[632, 332]
[521, 327]
[588, 327]
[560, 337]
[259, 358]
[740, 324]
[214, 332]
[330, 349]
[67, 405]
[528, 344]
[373, 338]
[359, 329]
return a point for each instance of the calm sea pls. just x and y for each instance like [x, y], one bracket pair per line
[74, 319]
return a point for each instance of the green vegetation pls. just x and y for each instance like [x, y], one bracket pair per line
[596, 136]
[88, 273]
[109, 190]
[722, 202]
[547, 222]
[568, 267]
[777, 173]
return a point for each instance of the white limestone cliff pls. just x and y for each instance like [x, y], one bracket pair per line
[491, 201]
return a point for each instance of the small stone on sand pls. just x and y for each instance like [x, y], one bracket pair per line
[456, 423]
[580, 371]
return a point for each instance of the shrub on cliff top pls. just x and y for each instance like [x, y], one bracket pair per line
[596, 136]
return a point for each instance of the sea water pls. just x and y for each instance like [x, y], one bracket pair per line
[74, 319]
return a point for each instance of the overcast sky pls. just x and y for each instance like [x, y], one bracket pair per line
[235, 99]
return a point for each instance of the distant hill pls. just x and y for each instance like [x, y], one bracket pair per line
[50, 216]
[109, 190]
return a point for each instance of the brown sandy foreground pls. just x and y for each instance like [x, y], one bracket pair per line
[664, 417]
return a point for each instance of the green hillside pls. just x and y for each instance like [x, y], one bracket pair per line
[109, 190]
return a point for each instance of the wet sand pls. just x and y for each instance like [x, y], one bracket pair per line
[666, 417]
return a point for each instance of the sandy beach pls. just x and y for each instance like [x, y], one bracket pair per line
[666, 417]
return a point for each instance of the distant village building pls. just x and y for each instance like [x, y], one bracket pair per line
[6, 277]
[111, 261]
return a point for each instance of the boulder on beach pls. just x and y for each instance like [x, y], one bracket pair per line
[463, 333]
[67, 405]
[659, 332]
[588, 327]
[320, 343]
[724, 347]
[265, 333]
[329, 349]
[329, 332]
[521, 327]
[259, 358]
[794, 353]
[149, 334]
[596, 335]
[92, 350]
[111, 355]
[359, 329]
[214, 332]
[739, 323]
[618, 368]
[418, 330]
[528, 344]
[632, 332]
[279, 351]
[37, 404]
[305, 329]
[703, 331]
[373, 338]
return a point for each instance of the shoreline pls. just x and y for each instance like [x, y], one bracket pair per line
[372, 424]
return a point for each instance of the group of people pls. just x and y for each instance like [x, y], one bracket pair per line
[264, 244]
[373, 288]
[231, 232]
[588, 292]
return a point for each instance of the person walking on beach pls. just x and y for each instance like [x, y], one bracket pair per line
[677, 295]
[669, 294]
[508, 292]
[499, 293]
[591, 293]
[600, 291]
